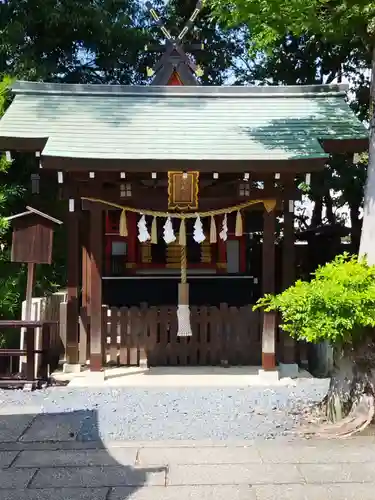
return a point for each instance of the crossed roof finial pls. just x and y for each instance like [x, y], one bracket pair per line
[175, 57]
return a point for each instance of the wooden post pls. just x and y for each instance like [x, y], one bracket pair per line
[29, 289]
[28, 310]
[30, 356]
[222, 249]
[62, 325]
[46, 341]
[288, 263]
[268, 281]
[84, 328]
[72, 307]
[132, 241]
[242, 251]
[96, 257]
[86, 260]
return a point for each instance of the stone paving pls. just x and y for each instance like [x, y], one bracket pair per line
[55, 444]
[42, 458]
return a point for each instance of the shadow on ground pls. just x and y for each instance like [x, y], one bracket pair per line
[61, 456]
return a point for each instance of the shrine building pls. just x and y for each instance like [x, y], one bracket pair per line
[173, 193]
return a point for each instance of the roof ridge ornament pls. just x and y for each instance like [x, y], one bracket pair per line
[175, 58]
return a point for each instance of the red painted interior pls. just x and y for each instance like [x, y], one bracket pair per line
[174, 79]
[133, 257]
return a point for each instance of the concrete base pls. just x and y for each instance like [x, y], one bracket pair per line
[143, 364]
[70, 368]
[289, 370]
[182, 377]
[96, 377]
[29, 387]
[269, 376]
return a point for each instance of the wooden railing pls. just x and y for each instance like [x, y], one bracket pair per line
[47, 309]
[31, 375]
[221, 335]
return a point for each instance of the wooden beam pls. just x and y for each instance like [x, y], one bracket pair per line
[165, 165]
[162, 205]
[268, 286]
[192, 47]
[96, 257]
[112, 176]
[24, 144]
[72, 307]
[222, 191]
[345, 146]
[158, 196]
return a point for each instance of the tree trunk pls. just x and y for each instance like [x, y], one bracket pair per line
[316, 218]
[353, 376]
[367, 245]
[329, 209]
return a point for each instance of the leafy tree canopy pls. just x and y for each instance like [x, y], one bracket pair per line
[270, 19]
[337, 305]
[337, 192]
[76, 41]
[9, 279]
[5, 191]
[322, 41]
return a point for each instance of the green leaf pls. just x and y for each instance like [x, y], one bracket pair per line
[337, 305]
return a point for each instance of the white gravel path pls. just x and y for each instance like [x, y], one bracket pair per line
[173, 413]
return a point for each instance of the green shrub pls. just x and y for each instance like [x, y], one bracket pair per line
[337, 305]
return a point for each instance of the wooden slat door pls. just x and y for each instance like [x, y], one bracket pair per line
[220, 335]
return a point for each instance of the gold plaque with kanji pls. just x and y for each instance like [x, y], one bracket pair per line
[183, 190]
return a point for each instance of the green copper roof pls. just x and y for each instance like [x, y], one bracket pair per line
[197, 123]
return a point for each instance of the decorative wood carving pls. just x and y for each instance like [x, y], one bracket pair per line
[183, 190]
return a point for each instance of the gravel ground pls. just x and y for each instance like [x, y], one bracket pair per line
[172, 414]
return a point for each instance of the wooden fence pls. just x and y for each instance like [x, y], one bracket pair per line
[221, 335]
[31, 374]
[46, 309]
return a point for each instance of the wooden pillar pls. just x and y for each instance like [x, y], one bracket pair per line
[86, 261]
[30, 356]
[72, 306]
[243, 253]
[132, 240]
[288, 263]
[221, 249]
[96, 258]
[268, 281]
[84, 331]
